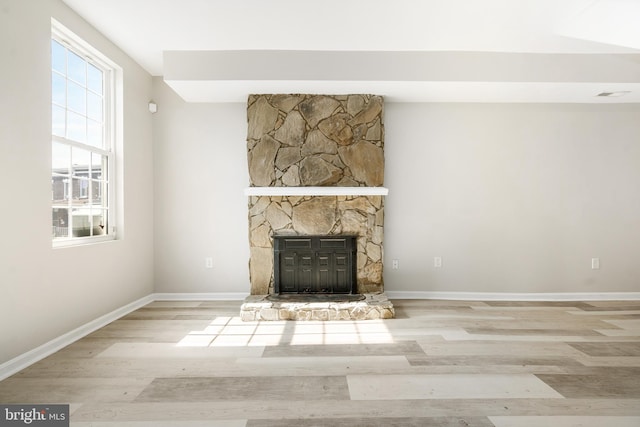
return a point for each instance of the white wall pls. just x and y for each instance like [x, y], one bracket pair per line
[201, 171]
[47, 292]
[514, 198]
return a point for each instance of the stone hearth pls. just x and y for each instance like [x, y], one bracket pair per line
[371, 306]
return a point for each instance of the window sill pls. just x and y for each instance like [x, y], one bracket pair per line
[81, 241]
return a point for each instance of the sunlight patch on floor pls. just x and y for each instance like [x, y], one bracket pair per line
[233, 332]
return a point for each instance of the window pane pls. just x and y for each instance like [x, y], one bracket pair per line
[80, 160]
[76, 127]
[58, 57]
[81, 222]
[77, 98]
[67, 188]
[58, 118]
[60, 223]
[94, 136]
[80, 192]
[94, 77]
[98, 166]
[58, 89]
[94, 106]
[83, 191]
[60, 158]
[77, 68]
[58, 188]
[99, 222]
[98, 193]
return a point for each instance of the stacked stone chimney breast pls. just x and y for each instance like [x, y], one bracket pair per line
[300, 140]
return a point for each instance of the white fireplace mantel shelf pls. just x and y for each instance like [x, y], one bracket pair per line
[316, 191]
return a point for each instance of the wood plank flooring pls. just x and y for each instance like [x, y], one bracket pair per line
[438, 363]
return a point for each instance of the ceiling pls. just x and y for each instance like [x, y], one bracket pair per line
[405, 50]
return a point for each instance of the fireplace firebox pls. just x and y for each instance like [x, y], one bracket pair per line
[315, 264]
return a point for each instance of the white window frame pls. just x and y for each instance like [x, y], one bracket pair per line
[111, 72]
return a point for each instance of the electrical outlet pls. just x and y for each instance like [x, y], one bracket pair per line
[394, 264]
[437, 262]
[208, 262]
[595, 263]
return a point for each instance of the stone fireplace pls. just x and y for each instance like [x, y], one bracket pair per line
[316, 215]
[316, 167]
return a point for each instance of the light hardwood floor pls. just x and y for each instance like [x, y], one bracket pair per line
[439, 363]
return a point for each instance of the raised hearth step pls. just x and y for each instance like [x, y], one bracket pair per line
[268, 307]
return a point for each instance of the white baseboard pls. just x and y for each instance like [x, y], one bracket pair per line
[511, 296]
[29, 358]
[209, 296]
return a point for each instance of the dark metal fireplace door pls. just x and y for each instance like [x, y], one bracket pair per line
[314, 264]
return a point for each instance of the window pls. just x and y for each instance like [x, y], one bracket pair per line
[82, 141]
